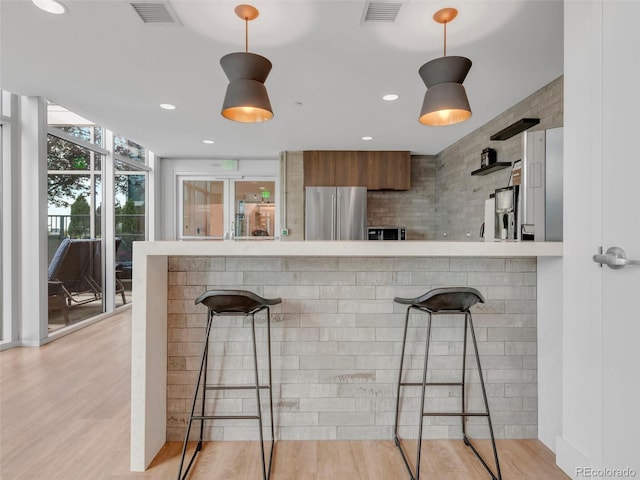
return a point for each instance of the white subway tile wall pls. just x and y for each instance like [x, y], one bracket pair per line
[336, 342]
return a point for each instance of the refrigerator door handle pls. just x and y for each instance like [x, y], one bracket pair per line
[333, 217]
[339, 222]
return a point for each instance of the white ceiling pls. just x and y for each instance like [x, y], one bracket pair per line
[102, 62]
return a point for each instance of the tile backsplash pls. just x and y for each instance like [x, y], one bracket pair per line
[336, 340]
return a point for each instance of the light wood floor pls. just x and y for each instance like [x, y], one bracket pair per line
[64, 414]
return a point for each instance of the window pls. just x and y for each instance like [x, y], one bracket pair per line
[74, 232]
[130, 198]
[73, 124]
[254, 206]
[80, 157]
[129, 149]
[203, 214]
[226, 208]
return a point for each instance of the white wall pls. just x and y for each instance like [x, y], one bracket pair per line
[33, 221]
[170, 168]
[10, 223]
[549, 308]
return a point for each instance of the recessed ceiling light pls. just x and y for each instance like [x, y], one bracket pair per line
[390, 97]
[367, 138]
[167, 106]
[209, 142]
[50, 6]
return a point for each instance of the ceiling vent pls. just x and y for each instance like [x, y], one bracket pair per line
[156, 13]
[380, 12]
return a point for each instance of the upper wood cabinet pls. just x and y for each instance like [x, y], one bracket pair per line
[374, 170]
[388, 170]
[333, 169]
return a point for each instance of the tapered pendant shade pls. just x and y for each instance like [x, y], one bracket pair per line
[445, 102]
[246, 99]
[444, 70]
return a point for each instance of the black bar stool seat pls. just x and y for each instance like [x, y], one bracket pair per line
[232, 303]
[238, 302]
[453, 299]
[448, 300]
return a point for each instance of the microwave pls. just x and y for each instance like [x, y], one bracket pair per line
[387, 233]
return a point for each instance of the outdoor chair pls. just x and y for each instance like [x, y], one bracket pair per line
[76, 271]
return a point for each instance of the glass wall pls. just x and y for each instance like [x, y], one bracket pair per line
[130, 221]
[79, 159]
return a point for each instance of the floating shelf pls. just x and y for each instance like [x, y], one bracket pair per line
[491, 168]
[515, 128]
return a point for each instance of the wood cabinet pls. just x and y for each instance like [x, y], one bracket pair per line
[388, 170]
[374, 170]
[333, 169]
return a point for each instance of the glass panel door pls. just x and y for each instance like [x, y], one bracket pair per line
[254, 209]
[203, 209]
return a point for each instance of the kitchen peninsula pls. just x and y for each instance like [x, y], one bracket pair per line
[337, 333]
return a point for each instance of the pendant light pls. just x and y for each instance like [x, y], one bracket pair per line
[445, 102]
[246, 99]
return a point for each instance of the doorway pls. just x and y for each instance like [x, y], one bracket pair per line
[222, 209]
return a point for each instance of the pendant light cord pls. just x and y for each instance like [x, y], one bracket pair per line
[246, 34]
[445, 39]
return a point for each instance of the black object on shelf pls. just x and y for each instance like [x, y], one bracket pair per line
[515, 128]
[488, 157]
[491, 168]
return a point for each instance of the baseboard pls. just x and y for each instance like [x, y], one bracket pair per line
[569, 458]
[8, 345]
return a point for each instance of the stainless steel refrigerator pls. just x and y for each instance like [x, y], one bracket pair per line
[335, 213]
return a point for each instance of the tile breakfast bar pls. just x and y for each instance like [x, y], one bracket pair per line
[337, 334]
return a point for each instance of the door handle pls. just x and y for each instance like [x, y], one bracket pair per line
[615, 258]
[333, 217]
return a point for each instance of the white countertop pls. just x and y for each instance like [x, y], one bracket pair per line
[350, 248]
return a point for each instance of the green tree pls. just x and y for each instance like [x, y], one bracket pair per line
[129, 218]
[64, 156]
[80, 218]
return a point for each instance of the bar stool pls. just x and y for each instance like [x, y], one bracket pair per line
[232, 303]
[451, 300]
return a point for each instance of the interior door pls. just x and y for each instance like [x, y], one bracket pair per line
[620, 228]
[254, 209]
[201, 208]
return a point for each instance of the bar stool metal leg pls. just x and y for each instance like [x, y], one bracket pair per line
[424, 388]
[404, 343]
[463, 383]
[255, 365]
[266, 472]
[273, 436]
[203, 363]
[451, 300]
[486, 406]
[239, 303]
